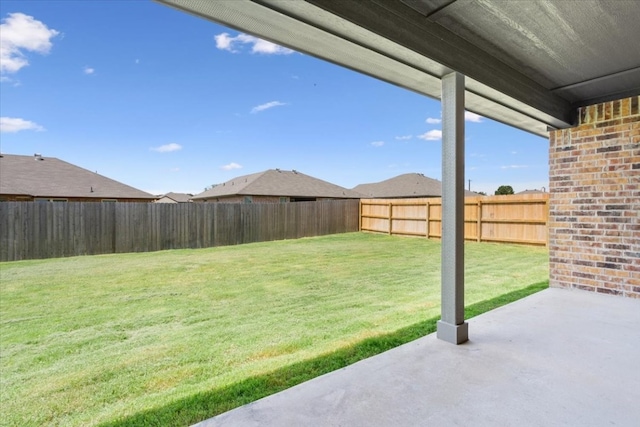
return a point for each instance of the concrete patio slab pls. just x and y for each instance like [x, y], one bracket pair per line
[556, 358]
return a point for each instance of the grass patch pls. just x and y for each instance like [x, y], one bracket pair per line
[205, 405]
[170, 338]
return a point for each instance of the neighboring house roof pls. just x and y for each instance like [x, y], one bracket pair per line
[39, 176]
[178, 197]
[530, 192]
[276, 182]
[407, 185]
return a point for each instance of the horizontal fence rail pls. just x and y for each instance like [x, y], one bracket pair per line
[508, 219]
[31, 230]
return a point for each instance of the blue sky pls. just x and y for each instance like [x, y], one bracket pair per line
[165, 101]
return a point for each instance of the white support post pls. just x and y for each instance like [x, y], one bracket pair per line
[452, 327]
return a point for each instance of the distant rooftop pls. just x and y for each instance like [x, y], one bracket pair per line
[178, 197]
[530, 192]
[39, 176]
[406, 185]
[276, 182]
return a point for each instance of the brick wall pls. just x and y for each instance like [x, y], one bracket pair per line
[594, 214]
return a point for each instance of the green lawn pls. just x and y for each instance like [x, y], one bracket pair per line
[170, 338]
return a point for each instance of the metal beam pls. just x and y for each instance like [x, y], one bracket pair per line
[452, 327]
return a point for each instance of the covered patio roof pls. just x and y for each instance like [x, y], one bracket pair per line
[527, 64]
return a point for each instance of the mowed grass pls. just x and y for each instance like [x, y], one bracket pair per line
[170, 338]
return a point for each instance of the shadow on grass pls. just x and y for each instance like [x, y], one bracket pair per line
[205, 405]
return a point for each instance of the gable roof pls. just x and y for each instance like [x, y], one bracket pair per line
[406, 185]
[276, 182]
[178, 197]
[530, 192]
[39, 176]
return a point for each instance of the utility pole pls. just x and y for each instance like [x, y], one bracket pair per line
[469, 185]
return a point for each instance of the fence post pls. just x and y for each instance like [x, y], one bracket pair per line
[428, 218]
[390, 217]
[479, 220]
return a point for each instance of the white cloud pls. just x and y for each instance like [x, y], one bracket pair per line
[266, 106]
[14, 124]
[404, 137]
[432, 135]
[514, 167]
[231, 166]
[89, 70]
[167, 148]
[263, 46]
[472, 117]
[14, 82]
[224, 42]
[468, 116]
[377, 143]
[233, 44]
[20, 34]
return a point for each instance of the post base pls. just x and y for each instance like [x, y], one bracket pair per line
[455, 334]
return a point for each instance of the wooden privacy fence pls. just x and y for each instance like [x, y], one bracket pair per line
[31, 230]
[508, 219]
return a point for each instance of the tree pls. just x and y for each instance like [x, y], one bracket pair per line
[504, 189]
[482, 193]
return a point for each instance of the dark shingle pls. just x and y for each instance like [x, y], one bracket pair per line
[51, 177]
[404, 186]
[275, 182]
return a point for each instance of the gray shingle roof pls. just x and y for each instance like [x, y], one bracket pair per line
[530, 192]
[51, 177]
[275, 182]
[178, 197]
[402, 186]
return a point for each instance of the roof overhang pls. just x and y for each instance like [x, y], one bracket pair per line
[528, 64]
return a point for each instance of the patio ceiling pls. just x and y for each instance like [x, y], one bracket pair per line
[527, 64]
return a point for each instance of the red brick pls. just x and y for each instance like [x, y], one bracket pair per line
[594, 225]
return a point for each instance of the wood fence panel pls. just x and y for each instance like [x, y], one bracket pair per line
[304, 225]
[375, 215]
[31, 230]
[227, 228]
[55, 228]
[293, 221]
[349, 211]
[196, 229]
[508, 219]
[20, 223]
[324, 215]
[7, 239]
